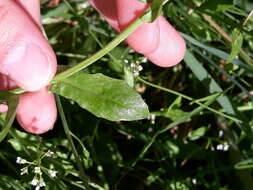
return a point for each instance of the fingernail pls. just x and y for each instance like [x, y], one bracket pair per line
[30, 66]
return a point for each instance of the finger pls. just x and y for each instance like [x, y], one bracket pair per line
[108, 9]
[6, 83]
[3, 108]
[32, 8]
[158, 41]
[36, 112]
[25, 55]
[171, 48]
[146, 38]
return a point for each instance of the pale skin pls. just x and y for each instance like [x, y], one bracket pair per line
[27, 60]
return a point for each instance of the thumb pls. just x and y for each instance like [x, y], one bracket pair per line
[25, 55]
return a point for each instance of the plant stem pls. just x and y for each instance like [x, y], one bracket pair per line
[68, 134]
[163, 130]
[121, 37]
[171, 125]
[190, 99]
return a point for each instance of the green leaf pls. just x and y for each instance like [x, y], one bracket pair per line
[60, 11]
[12, 106]
[174, 112]
[245, 164]
[15, 144]
[218, 53]
[237, 41]
[5, 95]
[202, 74]
[216, 5]
[196, 134]
[129, 77]
[103, 96]
[155, 9]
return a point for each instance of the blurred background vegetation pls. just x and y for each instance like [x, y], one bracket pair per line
[182, 146]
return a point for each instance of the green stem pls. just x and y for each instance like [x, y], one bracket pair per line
[171, 125]
[68, 134]
[109, 47]
[190, 99]
[163, 130]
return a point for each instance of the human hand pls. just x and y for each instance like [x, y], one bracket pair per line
[158, 41]
[27, 61]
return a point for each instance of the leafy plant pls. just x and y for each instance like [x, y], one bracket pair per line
[193, 132]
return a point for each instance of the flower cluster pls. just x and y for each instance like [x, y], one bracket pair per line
[152, 117]
[223, 147]
[135, 66]
[37, 169]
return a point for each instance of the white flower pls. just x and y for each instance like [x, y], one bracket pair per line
[136, 73]
[37, 170]
[219, 147]
[52, 173]
[42, 183]
[152, 118]
[50, 153]
[35, 181]
[194, 181]
[132, 65]
[223, 147]
[20, 160]
[24, 171]
[221, 133]
[140, 68]
[144, 60]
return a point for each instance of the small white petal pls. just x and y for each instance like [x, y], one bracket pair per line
[52, 173]
[132, 65]
[34, 182]
[136, 74]
[194, 181]
[20, 160]
[225, 147]
[140, 68]
[24, 171]
[42, 183]
[51, 153]
[221, 133]
[219, 147]
[37, 170]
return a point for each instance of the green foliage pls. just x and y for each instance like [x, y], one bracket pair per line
[199, 131]
[237, 41]
[10, 116]
[103, 96]
[216, 5]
